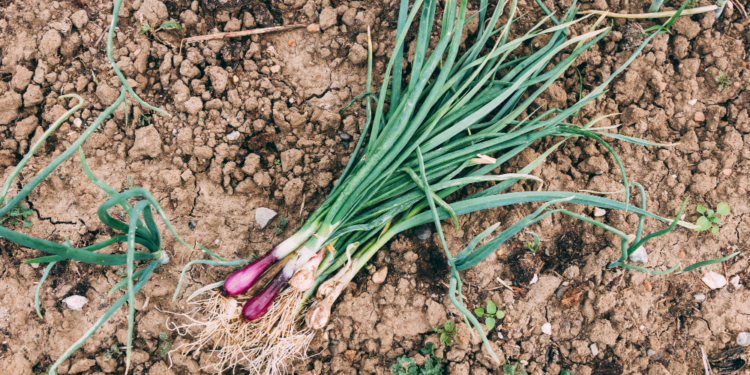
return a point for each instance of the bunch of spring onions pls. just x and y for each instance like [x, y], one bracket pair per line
[436, 137]
[140, 228]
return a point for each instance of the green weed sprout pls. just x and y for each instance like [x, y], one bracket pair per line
[139, 229]
[447, 333]
[490, 314]
[722, 80]
[408, 366]
[709, 218]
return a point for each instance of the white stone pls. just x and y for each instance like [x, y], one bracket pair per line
[233, 135]
[639, 255]
[534, 279]
[547, 328]
[75, 302]
[263, 216]
[379, 276]
[699, 297]
[735, 280]
[594, 350]
[743, 339]
[714, 280]
[598, 212]
[77, 122]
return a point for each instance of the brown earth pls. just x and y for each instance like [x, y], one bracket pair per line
[257, 125]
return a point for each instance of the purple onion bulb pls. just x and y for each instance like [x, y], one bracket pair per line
[241, 280]
[255, 307]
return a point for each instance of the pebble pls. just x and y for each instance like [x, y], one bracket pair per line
[714, 280]
[699, 117]
[345, 136]
[743, 339]
[423, 232]
[313, 28]
[699, 297]
[735, 280]
[534, 279]
[598, 212]
[650, 352]
[379, 276]
[192, 225]
[639, 255]
[727, 172]
[77, 122]
[263, 215]
[275, 69]
[692, 101]
[233, 135]
[547, 328]
[594, 350]
[345, 144]
[75, 302]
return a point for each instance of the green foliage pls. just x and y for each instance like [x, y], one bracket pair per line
[145, 27]
[143, 120]
[514, 369]
[129, 184]
[277, 162]
[710, 219]
[170, 25]
[17, 215]
[490, 314]
[565, 372]
[533, 248]
[112, 351]
[165, 342]
[283, 222]
[408, 366]
[447, 333]
[722, 80]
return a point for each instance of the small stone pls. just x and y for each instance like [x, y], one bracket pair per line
[345, 136]
[650, 352]
[75, 302]
[345, 144]
[263, 215]
[598, 212]
[714, 280]
[77, 122]
[233, 135]
[735, 281]
[692, 101]
[313, 28]
[727, 172]
[357, 54]
[328, 18]
[699, 297]
[80, 19]
[275, 69]
[547, 328]
[423, 232]
[534, 279]
[639, 255]
[743, 339]
[594, 350]
[194, 105]
[379, 276]
[699, 117]
[192, 225]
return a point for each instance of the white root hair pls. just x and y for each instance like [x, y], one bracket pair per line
[266, 346]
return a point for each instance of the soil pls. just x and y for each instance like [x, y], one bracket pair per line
[257, 125]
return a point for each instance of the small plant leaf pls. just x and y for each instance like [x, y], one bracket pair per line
[709, 212]
[500, 314]
[479, 312]
[703, 223]
[700, 209]
[715, 230]
[145, 27]
[27, 223]
[722, 209]
[491, 308]
[716, 220]
[490, 323]
[170, 25]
